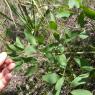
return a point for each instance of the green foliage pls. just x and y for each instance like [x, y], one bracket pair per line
[58, 85]
[62, 61]
[51, 78]
[18, 43]
[30, 38]
[74, 3]
[29, 50]
[45, 42]
[31, 70]
[89, 12]
[81, 79]
[63, 13]
[53, 25]
[81, 19]
[81, 92]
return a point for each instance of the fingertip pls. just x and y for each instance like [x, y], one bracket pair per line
[11, 66]
[8, 61]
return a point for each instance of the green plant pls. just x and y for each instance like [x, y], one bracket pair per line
[65, 52]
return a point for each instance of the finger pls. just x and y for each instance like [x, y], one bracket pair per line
[11, 66]
[1, 85]
[3, 57]
[1, 76]
[2, 67]
[6, 79]
[4, 72]
[8, 61]
[4, 82]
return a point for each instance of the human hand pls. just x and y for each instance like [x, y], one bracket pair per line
[6, 66]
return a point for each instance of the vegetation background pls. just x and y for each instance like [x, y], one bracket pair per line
[53, 45]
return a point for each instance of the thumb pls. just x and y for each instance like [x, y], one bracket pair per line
[3, 56]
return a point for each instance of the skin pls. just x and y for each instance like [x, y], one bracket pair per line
[6, 67]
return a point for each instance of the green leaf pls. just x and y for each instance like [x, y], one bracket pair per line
[12, 47]
[81, 62]
[30, 60]
[63, 13]
[56, 36]
[87, 68]
[62, 60]
[78, 61]
[61, 48]
[29, 50]
[18, 65]
[81, 79]
[18, 43]
[13, 8]
[59, 83]
[50, 57]
[89, 12]
[30, 38]
[52, 17]
[53, 25]
[52, 22]
[81, 92]
[31, 70]
[40, 39]
[75, 3]
[83, 36]
[8, 32]
[51, 78]
[81, 21]
[71, 35]
[58, 92]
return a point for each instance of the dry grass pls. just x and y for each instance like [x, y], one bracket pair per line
[4, 9]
